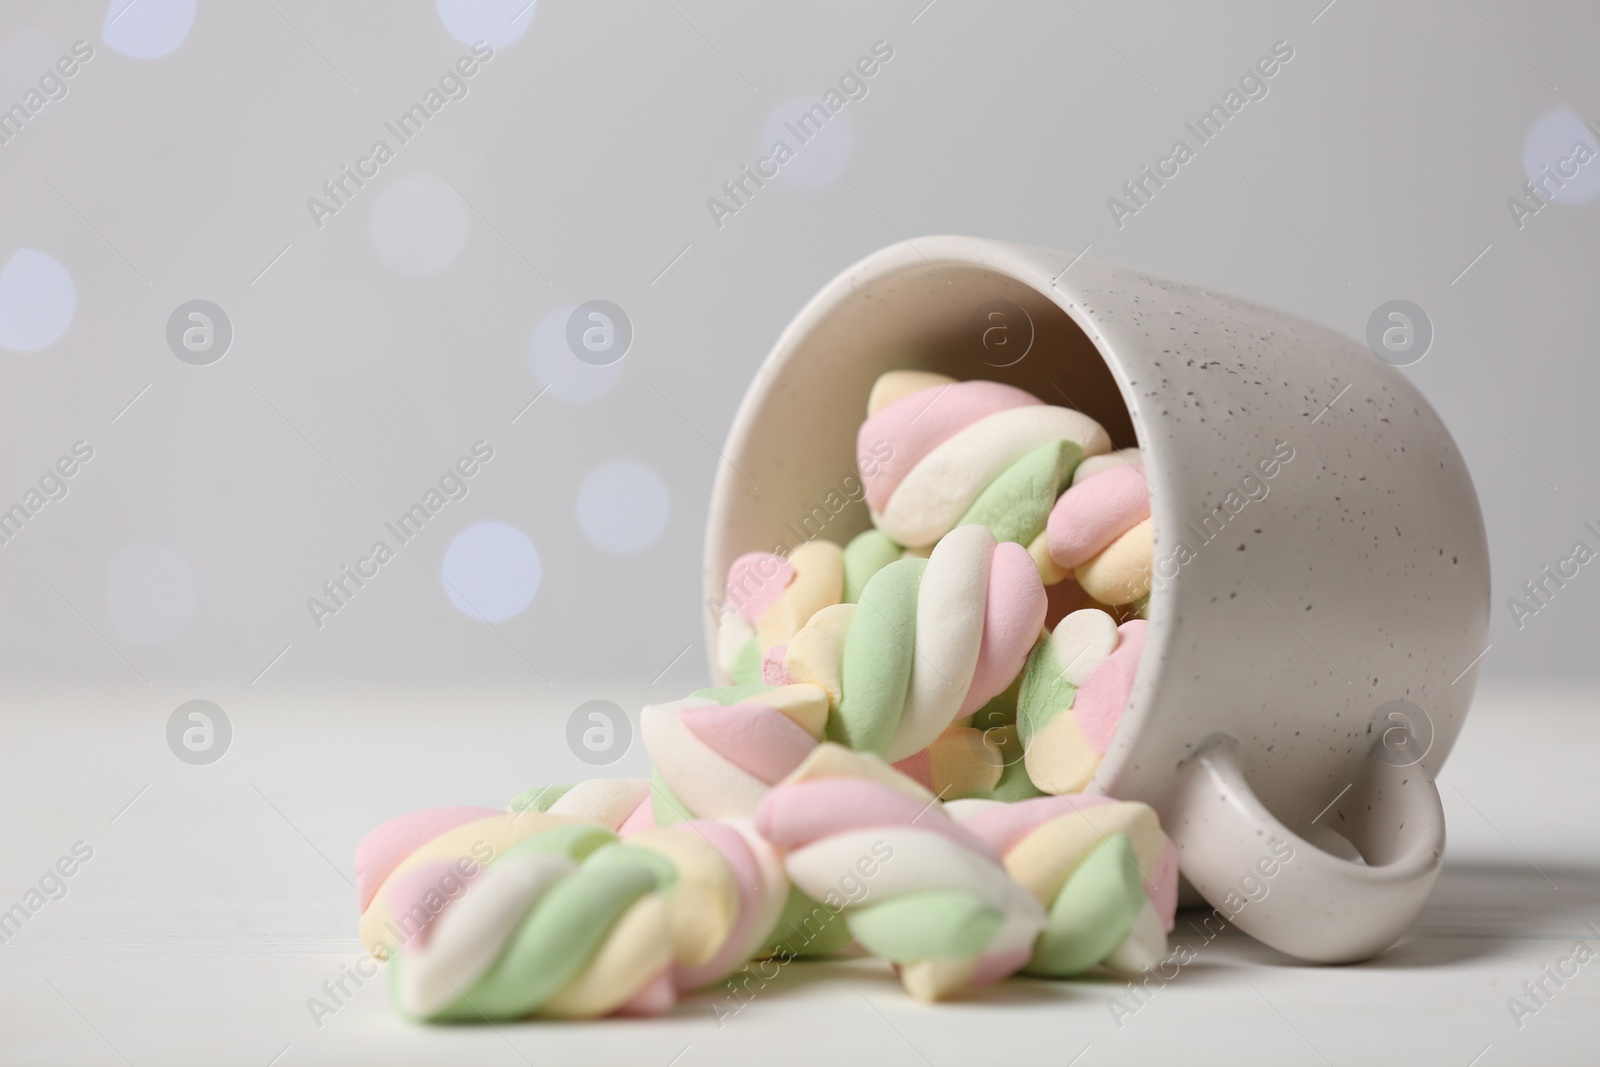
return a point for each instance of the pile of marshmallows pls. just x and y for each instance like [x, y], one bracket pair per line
[946, 635]
[897, 768]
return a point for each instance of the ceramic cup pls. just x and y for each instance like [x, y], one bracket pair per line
[1314, 632]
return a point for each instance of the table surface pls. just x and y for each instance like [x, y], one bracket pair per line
[218, 901]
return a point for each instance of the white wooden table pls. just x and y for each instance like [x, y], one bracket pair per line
[218, 902]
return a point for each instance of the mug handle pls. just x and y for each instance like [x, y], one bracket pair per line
[1313, 904]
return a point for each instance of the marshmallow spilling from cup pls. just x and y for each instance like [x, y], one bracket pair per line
[1318, 573]
[1031, 582]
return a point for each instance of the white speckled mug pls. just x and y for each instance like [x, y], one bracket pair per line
[1283, 634]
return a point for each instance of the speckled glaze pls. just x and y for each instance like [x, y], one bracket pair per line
[1360, 578]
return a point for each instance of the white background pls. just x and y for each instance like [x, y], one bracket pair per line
[426, 315]
[372, 352]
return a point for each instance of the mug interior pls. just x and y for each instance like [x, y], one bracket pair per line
[792, 451]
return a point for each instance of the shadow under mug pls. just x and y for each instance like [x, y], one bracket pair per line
[1314, 632]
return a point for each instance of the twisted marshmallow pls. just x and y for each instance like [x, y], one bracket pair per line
[560, 920]
[448, 943]
[969, 452]
[914, 887]
[986, 453]
[1102, 869]
[1075, 689]
[1100, 529]
[716, 753]
[930, 641]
